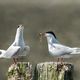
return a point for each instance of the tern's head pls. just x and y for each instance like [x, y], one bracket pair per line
[49, 34]
[51, 37]
[20, 27]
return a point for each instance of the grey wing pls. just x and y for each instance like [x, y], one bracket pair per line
[11, 51]
[2, 52]
[63, 49]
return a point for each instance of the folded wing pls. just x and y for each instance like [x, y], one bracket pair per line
[13, 50]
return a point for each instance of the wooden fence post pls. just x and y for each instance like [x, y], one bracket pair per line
[20, 71]
[43, 71]
[54, 71]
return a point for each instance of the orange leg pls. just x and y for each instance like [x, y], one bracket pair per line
[58, 59]
[15, 60]
[62, 60]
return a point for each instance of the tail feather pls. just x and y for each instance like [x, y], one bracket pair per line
[76, 51]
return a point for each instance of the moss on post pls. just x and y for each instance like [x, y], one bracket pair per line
[20, 71]
[43, 71]
[54, 71]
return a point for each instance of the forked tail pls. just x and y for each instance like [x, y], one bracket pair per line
[76, 51]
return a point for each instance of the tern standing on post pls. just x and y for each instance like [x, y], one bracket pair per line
[17, 48]
[56, 48]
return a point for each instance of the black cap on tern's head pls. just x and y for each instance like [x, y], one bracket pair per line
[51, 32]
[19, 26]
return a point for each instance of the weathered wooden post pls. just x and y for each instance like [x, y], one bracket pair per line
[20, 71]
[54, 71]
[43, 71]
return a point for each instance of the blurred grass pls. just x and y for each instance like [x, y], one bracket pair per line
[64, 20]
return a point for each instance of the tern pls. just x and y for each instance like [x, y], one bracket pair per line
[55, 48]
[17, 48]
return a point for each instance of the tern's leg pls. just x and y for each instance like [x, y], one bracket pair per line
[15, 60]
[62, 60]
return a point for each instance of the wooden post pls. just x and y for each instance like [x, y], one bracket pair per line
[43, 71]
[20, 71]
[54, 71]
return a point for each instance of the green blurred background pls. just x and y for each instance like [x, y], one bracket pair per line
[60, 16]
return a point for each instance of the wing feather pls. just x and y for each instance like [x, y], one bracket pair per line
[11, 51]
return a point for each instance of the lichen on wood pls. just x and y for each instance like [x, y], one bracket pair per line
[20, 71]
[54, 71]
[43, 71]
